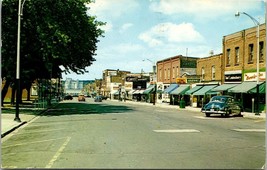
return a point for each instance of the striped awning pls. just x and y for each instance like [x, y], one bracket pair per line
[181, 89]
[244, 87]
[194, 89]
[204, 90]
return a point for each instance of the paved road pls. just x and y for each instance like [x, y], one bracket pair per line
[122, 135]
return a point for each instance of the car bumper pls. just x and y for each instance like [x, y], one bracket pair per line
[214, 111]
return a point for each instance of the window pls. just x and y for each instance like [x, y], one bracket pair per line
[177, 71]
[261, 51]
[160, 74]
[250, 53]
[165, 74]
[213, 72]
[236, 55]
[169, 71]
[228, 57]
[173, 72]
[203, 73]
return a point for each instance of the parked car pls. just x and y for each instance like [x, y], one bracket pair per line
[68, 97]
[98, 99]
[81, 97]
[224, 105]
[104, 97]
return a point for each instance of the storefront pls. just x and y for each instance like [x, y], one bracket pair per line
[223, 89]
[204, 94]
[178, 94]
[245, 93]
[193, 100]
[149, 93]
[167, 91]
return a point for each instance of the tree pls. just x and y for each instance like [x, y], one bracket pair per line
[53, 33]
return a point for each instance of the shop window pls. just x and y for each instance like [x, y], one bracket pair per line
[261, 51]
[228, 52]
[250, 53]
[237, 56]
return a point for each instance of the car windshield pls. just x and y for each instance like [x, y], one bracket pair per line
[219, 99]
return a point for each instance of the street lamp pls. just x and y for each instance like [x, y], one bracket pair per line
[154, 79]
[20, 9]
[257, 23]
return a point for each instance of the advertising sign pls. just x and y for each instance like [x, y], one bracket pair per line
[253, 76]
[181, 80]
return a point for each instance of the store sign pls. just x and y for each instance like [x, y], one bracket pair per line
[186, 63]
[233, 77]
[139, 78]
[128, 85]
[181, 80]
[253, 76]
[160, 86]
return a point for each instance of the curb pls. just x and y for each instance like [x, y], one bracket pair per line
[24, 122]
[14, 128]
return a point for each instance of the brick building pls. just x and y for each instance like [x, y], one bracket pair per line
[209, 68]
[112, 76]
[169, 69]
[240, 55]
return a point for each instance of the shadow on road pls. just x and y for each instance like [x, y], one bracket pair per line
[85, 108]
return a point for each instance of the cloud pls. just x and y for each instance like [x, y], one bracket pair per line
[104, 9]
[171, 33]
[126, 26]
[203, 9]
[107, 27]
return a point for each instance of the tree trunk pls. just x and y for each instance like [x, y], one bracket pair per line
[4, 91]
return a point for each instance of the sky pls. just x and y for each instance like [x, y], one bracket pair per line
[138, 33]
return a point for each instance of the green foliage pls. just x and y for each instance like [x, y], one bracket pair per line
[53, 33]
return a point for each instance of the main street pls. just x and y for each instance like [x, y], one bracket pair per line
[112, 134]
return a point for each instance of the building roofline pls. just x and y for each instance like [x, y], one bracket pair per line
[177, 56]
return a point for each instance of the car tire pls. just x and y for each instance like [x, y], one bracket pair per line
[207, 114]
[227, 114]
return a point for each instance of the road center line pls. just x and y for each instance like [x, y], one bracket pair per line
[250, 130]
[58, 153]
[176, 131]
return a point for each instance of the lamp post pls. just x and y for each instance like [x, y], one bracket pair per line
[154, 79]
[257, 23]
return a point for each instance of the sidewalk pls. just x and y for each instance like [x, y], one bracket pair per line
[26, 114]
[195, 109]
[8, 124]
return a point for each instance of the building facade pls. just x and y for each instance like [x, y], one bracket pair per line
[75, 87]
[240, 55]
[209, 68]
[112, 76]
[169, 69]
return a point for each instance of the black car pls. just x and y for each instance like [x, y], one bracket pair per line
[224, 105]
[68, 97]
[98, 99]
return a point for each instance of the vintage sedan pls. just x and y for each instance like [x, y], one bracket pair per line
[81, 97]
[224, 105]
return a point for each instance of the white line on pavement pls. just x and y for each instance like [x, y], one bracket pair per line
[58, 153]
[177, 130]
[27, 143]
[250, 130]
[39, 131]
